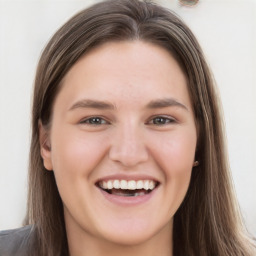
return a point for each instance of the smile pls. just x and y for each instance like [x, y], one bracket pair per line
[128, 188]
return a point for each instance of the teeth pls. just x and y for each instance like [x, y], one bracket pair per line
[151, 185]
[130, 185]
[140, 184]
[123, 184]
[116, 184]
[104, 184]
[109, 184]
[146, 184]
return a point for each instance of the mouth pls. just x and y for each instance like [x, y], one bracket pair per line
[127, 188]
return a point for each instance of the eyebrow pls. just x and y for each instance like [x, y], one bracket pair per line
[87, 103]
[154, 104]
[164, 103]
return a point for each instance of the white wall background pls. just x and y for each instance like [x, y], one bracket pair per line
[226, 30]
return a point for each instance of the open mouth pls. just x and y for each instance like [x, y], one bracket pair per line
[129, 188]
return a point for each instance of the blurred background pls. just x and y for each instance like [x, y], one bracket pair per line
[226, 30]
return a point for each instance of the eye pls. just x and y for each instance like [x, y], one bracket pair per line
[161, 120]
[95, 120]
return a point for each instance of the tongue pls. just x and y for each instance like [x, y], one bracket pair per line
[122, 192]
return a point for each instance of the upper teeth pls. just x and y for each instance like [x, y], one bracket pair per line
[125, 184]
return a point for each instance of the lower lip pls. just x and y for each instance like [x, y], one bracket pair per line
[128, 200]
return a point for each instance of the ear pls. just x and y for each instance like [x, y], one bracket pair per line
[45, 146]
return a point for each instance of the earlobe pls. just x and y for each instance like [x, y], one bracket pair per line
[45, 146]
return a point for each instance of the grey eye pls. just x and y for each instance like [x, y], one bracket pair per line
[94, 121]
[162, 120]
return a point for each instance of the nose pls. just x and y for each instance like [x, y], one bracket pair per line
[128, 147]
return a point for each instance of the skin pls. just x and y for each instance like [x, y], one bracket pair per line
[128, 141]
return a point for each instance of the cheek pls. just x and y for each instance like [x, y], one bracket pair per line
[175, 152]
[76, 153]
[174, 155]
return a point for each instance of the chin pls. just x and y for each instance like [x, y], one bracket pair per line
[129, 239]
[134, 233]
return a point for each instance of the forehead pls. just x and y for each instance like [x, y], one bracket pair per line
[123, 71]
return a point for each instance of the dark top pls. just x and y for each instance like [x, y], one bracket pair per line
[15, 242]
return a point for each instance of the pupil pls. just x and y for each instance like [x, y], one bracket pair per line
[95, 120]
[159, 120]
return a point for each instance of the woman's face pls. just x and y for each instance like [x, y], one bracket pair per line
[123, 118]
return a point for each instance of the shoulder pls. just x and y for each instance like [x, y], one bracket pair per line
[16, 241]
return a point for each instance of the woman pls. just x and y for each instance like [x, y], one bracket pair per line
[127, 152]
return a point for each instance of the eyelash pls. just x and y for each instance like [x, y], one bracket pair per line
[157, 120]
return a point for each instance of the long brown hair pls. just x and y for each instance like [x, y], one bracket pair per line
[208, 221]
